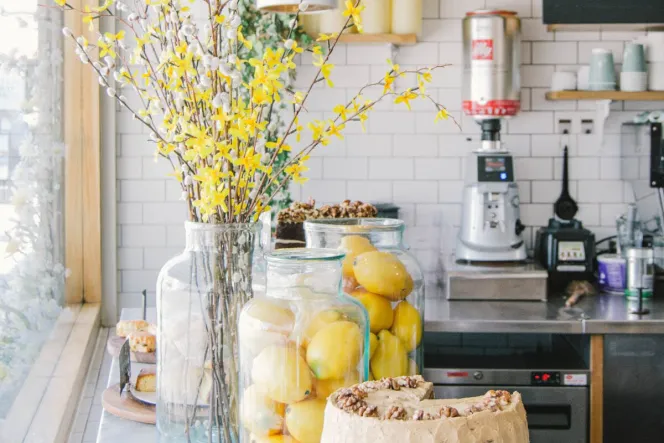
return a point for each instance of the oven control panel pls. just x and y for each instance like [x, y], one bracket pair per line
[545, 379]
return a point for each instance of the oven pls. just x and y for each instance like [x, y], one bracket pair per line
[553, 382]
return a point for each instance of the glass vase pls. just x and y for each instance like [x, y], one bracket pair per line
[381, 273]
[199, 296]
[299, 343]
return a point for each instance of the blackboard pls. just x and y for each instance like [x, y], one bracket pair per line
[603, 11]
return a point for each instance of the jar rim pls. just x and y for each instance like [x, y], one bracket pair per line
[354, 225]
[304, 255]
[200, 226]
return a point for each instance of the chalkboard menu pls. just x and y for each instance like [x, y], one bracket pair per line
[603, 11]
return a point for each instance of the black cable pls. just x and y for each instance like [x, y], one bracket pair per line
[605, 239]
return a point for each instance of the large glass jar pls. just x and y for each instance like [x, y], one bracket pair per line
[379, 272]
[299, 343]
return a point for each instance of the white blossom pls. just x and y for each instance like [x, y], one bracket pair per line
[174, 17]
[188, 29]
[233, 4]
[154, 137]
[231, 34]
[67, 32]
[303, 6]
[217, 102]
[232, 58]
[236, 21]
[109, 61]
[110, 92]
[205, 82]
[292, 23]
[188, 181]
[184, 196]
[288, 44]
[132, 17]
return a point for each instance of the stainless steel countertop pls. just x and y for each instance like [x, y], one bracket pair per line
[600, 314]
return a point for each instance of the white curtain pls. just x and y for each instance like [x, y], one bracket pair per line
[31, 154]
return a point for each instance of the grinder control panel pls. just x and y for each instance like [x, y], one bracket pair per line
[495, 168]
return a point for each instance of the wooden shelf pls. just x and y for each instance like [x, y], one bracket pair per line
[606, 95]
[395, 39]
[619, 27]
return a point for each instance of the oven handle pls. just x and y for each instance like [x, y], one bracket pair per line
[558, 417]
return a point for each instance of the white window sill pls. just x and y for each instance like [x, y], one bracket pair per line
[44, 408]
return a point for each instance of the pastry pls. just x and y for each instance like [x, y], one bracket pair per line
[142, 341]
[126, 327]
[146, 381]
[402, 410]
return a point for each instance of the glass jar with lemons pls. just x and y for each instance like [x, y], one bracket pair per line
[298, 343]
[380, 273]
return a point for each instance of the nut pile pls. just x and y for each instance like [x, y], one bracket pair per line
[299, 212]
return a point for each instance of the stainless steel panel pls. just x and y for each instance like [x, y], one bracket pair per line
[534, 398]
[484, 377]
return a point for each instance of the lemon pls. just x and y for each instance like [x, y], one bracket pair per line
[379, 310]
[353, 245]
[304, 420]
[390, 358]
[335, 350]
[383, 273]
[373, 344]
[272, 439]
[349, 284]
[324, 388]
[319, 321]
[407, 325]
[264, 323]
[282, 374]
[261, 415]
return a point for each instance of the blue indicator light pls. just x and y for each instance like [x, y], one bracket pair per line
[503, 175]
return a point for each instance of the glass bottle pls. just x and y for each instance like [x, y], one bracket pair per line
[386, 278]
[299, 343]
[199, 295]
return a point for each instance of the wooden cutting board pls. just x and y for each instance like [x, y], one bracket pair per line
[114, 344]
[126, 406]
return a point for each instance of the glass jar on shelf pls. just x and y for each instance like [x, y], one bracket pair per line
[298, 343]
[386, 278]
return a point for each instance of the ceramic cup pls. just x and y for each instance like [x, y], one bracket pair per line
[583, 78]
[633, 81]
[563, 81]
[656, 76]
[602, 70]
[634, 58]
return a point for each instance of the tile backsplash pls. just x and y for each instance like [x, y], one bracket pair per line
[404, 157]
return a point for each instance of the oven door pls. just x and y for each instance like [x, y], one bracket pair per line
[555, 414]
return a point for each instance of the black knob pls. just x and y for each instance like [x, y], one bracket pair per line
[478, 375]
[519, 227]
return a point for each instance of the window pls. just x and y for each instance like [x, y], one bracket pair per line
[32, 271]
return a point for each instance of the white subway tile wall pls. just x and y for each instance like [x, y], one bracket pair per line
[405, 157]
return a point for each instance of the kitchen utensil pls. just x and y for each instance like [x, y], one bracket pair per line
[602, 70]
[634, 58]
[576, 290]
[640, 272]
[563, 81]
[583, 78]
[629, 232]
[611, 272]
[565, 207]
[633, 81]
[656, 76]
[564, 247]
[491, 228]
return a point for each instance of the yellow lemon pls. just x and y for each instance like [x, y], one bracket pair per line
[282, 374]
[335, 350]
[264, 323]
[383, 273]
[353, 245]
[324, 388]
[373, 344]
[390, 358]
[272, 439]
[379, 310]
[261, 415]
[319, 321]
[304, 420]
[407, 325]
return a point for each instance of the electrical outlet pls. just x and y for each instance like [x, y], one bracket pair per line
[564, 126]
[587, 126]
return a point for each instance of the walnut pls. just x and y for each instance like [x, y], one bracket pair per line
[420, 415]
[501, 397]
[395, 413]
[394, 384]
[478, 407]
[449, 412]
[367, 411]
[410, 382]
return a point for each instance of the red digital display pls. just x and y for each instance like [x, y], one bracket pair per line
[545, 378]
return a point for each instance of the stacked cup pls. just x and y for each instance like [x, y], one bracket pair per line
[634, 77]
[602, 71]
